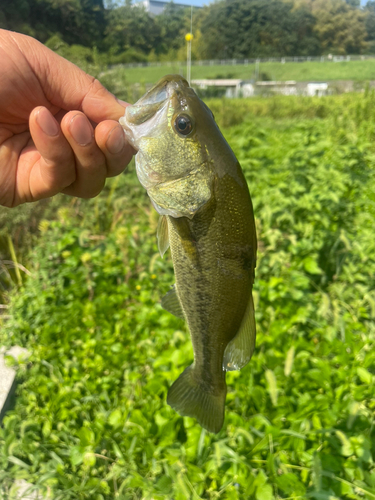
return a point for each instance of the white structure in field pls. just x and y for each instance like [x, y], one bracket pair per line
[8, 375]
[317, 89]
[234, 88]
[248, 88]
[285, 88]
[156, 7]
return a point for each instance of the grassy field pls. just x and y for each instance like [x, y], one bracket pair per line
[351, 70]
[91, 420]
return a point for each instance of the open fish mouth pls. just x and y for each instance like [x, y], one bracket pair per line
[151, 109]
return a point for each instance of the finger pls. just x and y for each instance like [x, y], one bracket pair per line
[10, 150]
[91, 169]
[67, 86]
[47, 167]
[110, 138]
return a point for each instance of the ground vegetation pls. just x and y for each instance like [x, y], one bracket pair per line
[90, 419]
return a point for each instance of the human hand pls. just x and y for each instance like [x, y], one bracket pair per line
[58, 126]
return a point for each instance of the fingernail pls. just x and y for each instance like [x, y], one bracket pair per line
[47, 122]
[81, 130]
[115, 141]
[123, 103]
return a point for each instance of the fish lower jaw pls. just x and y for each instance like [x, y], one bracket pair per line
[128, 133]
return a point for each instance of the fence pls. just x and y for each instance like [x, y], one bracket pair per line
[246, 62]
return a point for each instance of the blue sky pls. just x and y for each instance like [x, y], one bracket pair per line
[200, 3]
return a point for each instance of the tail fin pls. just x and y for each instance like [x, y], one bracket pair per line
[190, 398]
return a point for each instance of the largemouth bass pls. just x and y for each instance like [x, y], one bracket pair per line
[196, 184]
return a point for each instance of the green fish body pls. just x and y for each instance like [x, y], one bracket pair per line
[195, 182]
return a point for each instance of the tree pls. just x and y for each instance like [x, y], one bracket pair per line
[354, 3]
[369, 10]
[254, 28]
[174, 23]
[339, 26]
[130, 26]
[14, 15]
[77, 21]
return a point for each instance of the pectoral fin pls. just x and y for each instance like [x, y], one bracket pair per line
[240, 349]
[162, 235]
[171, 303]
[188, 240]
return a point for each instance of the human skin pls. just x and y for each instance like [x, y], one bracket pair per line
[59, 129]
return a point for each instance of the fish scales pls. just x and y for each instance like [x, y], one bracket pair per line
[211, 231]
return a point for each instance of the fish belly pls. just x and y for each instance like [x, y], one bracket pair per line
[213, 262]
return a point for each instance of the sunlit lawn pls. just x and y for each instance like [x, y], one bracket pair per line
[348, 70]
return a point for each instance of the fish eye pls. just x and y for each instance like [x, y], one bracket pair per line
[183, 125]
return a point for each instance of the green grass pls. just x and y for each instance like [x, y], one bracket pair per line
[351, 70]
[91, 420]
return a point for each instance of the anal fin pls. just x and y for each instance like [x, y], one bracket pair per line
[162, 235]
[240, 349]
[171, 303]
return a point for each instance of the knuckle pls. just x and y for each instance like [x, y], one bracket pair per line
[58, 175]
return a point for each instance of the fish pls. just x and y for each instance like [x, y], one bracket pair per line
[196, 184]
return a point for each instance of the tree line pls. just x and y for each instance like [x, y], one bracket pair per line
[120, 33]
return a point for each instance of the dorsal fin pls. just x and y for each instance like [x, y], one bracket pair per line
[240, 349]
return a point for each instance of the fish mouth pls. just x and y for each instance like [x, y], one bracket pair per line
[151, 106]
[154, 99]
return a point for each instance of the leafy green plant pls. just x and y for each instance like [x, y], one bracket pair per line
[91, 420]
